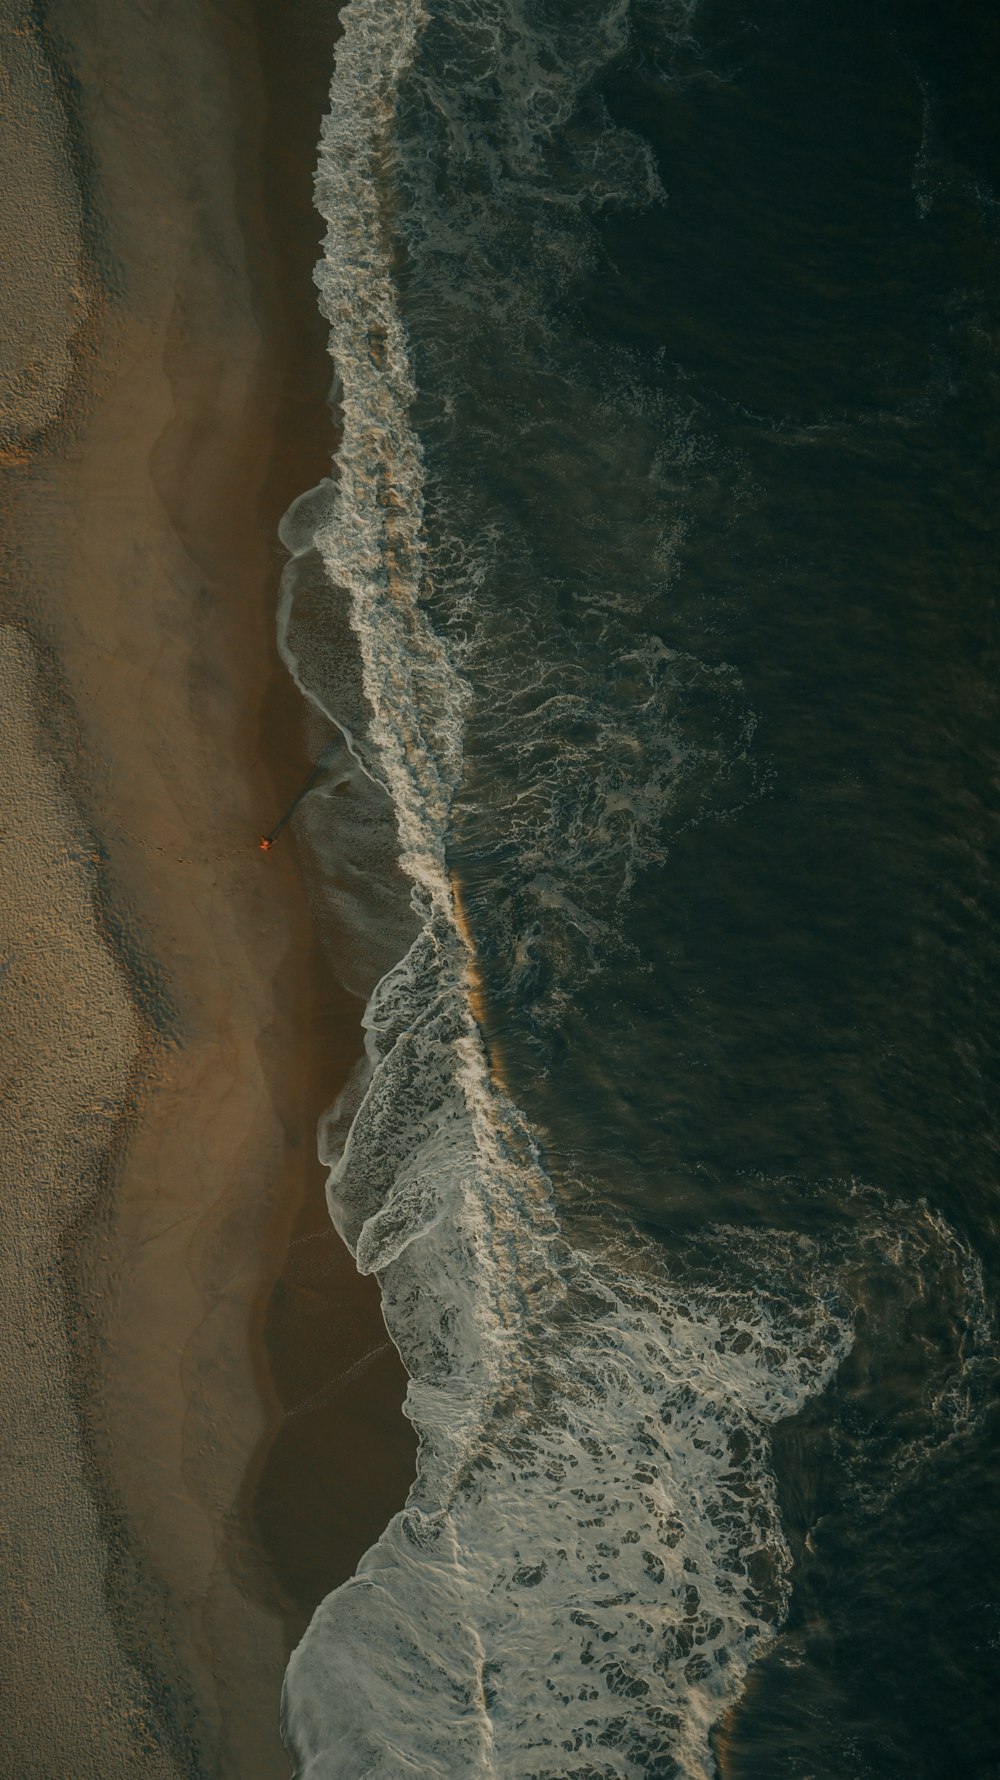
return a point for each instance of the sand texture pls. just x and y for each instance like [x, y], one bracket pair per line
[43, 289]
[70, 1041]
[170, 1033]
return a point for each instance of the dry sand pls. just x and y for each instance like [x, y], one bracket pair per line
[70, 1042]
[42, 297]
[169, 1032]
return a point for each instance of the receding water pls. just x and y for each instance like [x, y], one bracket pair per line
[661, 564]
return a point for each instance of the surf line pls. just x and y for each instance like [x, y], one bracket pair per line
[267, 840]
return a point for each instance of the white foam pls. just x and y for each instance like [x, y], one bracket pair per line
[591, 1555]
[570, 1585]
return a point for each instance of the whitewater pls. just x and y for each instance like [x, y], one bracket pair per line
[591, 1555]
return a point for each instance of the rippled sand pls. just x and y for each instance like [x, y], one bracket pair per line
[169, 1033]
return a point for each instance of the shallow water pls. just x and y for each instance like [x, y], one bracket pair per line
[654, 596]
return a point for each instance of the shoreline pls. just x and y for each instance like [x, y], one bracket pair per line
[318, 1317]
[154, 588]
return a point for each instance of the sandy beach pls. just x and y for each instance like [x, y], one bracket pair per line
[206, 1402]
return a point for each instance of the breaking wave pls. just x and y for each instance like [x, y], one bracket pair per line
[592, 1554]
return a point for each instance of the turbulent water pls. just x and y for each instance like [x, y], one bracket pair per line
[650, 600]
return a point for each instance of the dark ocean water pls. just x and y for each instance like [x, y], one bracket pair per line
[669, 338]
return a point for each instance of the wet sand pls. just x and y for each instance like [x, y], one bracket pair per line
[208, 1392]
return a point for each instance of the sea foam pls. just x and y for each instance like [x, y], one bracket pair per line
[591, 1555]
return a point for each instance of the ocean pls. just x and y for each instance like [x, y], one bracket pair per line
[648, 623]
